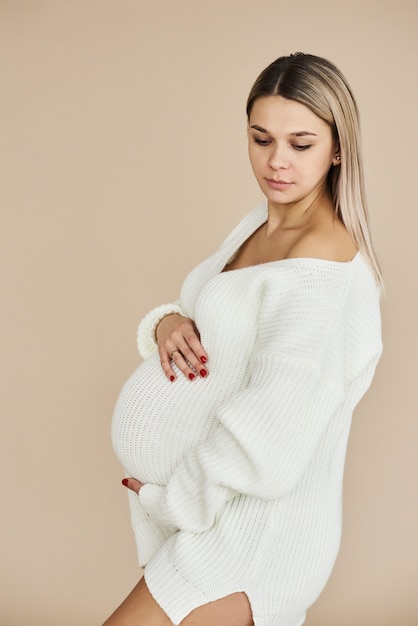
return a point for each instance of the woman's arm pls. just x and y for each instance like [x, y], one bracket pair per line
[267, 433]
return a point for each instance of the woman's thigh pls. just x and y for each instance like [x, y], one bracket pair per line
[232, 610]
[140, 609]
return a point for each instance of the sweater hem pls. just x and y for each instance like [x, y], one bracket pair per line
[175, 595]
[178, 596]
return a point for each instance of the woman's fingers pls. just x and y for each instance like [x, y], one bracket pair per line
[179, 342]
[133, 484]
[166, 364]
[186, 362]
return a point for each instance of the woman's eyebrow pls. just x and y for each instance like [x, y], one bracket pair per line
[299, 133]
[260, 128]
[303, 133]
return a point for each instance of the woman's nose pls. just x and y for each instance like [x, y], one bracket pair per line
[279, 158]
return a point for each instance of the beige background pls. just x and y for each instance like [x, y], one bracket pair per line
[123, 163]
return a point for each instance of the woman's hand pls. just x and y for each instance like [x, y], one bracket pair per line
[133, 484]
[179, 340]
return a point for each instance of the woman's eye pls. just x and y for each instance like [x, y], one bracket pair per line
[301, 148]
[262, 142]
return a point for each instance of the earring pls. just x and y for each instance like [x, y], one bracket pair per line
[338, 157]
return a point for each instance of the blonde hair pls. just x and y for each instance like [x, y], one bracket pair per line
[318, 84]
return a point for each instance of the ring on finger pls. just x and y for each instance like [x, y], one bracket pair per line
[173, 352]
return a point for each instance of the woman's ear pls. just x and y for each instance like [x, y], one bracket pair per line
[337, 153]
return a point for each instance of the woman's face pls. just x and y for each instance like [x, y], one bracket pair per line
[291, 150]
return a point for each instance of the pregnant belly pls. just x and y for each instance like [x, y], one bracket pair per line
[156, 422]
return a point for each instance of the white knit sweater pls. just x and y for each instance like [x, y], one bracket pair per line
[243, 469]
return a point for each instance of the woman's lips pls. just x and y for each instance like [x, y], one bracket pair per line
[278, 184]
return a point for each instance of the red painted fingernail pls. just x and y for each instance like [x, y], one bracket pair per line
[203, 359]
[125, 482]
[192, 376]
[172, 378]
[203, 373]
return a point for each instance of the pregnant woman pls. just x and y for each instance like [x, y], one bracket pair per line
[233, 431]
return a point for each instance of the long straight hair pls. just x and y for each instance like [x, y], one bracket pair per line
[319, 85]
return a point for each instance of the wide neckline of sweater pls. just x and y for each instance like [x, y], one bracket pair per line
[298, 261]
[310, 261]
[254, 220]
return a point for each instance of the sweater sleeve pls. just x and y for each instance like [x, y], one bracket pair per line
[149, 536]
[268, 432]
[146, 343]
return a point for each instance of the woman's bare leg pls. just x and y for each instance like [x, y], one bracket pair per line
[140, 609]
[233, 610]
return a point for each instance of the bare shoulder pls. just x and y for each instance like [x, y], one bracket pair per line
[330, 243]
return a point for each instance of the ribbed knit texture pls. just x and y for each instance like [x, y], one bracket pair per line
[244, 468]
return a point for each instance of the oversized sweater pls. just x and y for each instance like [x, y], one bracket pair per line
[243, 469]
